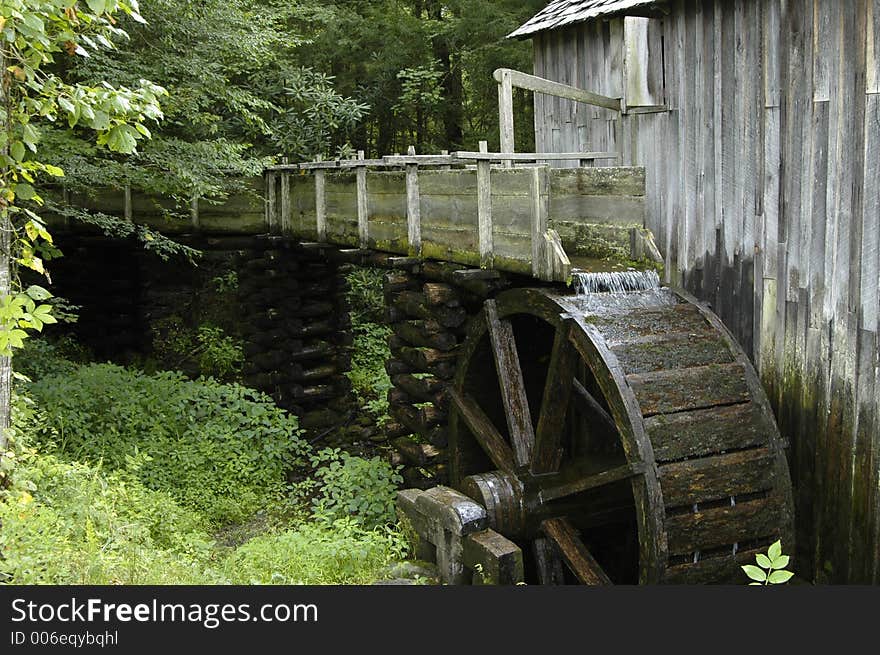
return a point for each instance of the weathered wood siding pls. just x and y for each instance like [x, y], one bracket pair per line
[763, 189]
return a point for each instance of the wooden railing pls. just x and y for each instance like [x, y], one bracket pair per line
[546, 260]
[509, 79]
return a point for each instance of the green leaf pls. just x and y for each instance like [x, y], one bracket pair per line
[764, 561]
[781, 562]
[97, 6]
[38, 293]
[780, 577]
[755, 573]
[775, 550]
[17, 150]
[25, 191]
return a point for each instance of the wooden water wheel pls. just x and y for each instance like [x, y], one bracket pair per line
[626, 441]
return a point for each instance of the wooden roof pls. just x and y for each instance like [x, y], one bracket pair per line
[567, 12]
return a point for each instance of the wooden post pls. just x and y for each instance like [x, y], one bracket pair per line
[447, 167]
[285, 202]
[127, 203]
[540, 212]
[505, 114]
[194, 212]
[320, 203]
[413, 207]
[363, 216]
[272, 216]
[484, 209]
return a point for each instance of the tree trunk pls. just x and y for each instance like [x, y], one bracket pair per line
[5, 282]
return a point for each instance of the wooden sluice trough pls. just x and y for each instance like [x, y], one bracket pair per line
[509, 212]
[594, 438]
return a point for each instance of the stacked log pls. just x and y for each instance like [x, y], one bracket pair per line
[428, 308]
[296, 333]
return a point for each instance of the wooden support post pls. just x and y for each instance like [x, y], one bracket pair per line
[320, 203]
[128, 212]
[285, 203]
[362, 208]
[484, 209]
[194, 212]
[446, 167]
[413, 207]
[540, 212]
[271, 214]
[505, 114]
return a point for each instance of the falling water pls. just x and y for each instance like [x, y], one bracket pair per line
[619, 291]
[615, 282]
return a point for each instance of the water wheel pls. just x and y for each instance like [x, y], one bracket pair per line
[620, 439]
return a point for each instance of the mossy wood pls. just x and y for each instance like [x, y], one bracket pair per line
[617, 445]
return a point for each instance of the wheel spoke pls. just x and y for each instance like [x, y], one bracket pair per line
[547, 562]
[513, 388]
[575, 553]
[593, 408]
[484, 431]
[554, 405]
[593, 481]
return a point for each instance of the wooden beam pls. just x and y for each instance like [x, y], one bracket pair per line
[484, 431]
[532, 156]
[362, 204]
[575, 553]
[540, 193]
[594, 407]
[413, 206]
[320, 202]
[513, 388]
[592, 482]
[271, 213]
[540, 85]
[484, 210]
[505, 114]
[554, 404]
[285, 203]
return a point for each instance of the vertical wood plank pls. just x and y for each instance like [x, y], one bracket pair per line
[540, 196]
[363, 204]
[320, 203]
[271, 212]
[484, 210]
[285, 203]
[505, 111]
[413, 207]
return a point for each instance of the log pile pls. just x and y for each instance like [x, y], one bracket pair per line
[296, 333]
[428, 307]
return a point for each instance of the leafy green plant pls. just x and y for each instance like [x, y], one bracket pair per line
[221, 449]
[220, 355]
[341, 552]
[353, 487]
[74, 523]
[770, 567]
[369, 380]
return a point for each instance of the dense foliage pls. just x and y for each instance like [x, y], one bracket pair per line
[369, 380]
[115, 476]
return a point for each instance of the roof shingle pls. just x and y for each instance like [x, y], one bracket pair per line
[566, 12]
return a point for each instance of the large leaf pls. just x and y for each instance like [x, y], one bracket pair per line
[780, 577]
[755, 573]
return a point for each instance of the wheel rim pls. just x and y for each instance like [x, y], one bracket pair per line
[559, 453]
